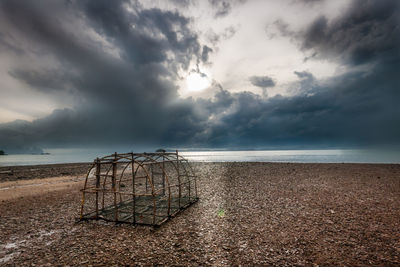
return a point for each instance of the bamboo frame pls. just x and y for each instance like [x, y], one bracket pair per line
[138, 188]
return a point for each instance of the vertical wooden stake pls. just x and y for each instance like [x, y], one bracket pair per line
[146, 183]
[97, 186]
[163, 174]
[133, 191]
[188, 176]
[152, 173]
[113, 181]
[179, 180]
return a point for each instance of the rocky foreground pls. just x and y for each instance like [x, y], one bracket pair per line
[248, 214]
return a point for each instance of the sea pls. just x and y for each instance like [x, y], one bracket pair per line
[52, 156]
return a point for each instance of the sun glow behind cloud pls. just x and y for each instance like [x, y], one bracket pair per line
[196, 82]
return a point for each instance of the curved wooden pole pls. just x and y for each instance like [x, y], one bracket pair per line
[84, 188]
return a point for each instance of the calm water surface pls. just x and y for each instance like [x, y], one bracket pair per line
[303, 156]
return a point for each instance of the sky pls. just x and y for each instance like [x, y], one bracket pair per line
[199, 74]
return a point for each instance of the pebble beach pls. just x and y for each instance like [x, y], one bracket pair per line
[248, 214]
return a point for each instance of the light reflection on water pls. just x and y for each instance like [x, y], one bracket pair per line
[304, 156]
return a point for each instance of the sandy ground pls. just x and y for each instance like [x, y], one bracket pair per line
[18, 173]
[248, 214]
[24, 188]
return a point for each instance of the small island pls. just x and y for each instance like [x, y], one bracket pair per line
[2, 153]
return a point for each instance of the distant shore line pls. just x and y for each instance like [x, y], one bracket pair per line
[27, 172]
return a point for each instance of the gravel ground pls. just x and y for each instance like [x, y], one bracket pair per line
[248, 214]
[17, 173]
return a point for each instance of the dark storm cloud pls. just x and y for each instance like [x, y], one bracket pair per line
[356, 108]
[146, 36]
[43, 81]
[368, 31]
[262, 81]
[307, 83]
[129, 96]
[7, 44]
[133, 92]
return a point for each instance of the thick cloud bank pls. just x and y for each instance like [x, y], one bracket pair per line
[119, 62]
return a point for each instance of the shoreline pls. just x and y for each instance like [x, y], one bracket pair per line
[16, 172]
[27, 172]
[274, 214]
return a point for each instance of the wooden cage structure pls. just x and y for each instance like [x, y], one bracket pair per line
[138, 188]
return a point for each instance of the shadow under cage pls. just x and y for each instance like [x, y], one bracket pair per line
[138, 188]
